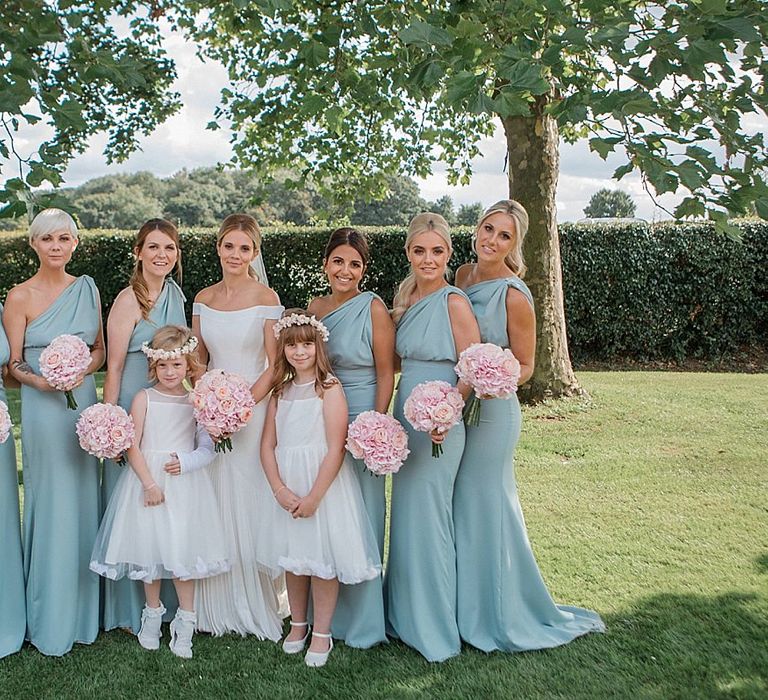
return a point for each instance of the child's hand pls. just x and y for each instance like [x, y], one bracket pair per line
[305, 508]
[153, 496]
[173, 467]
[286, 498]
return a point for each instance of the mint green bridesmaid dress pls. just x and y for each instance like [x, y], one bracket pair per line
[503, 602]
[13, 618]
[61, 487]
[420, 578]
[124, 599]
[359, 616]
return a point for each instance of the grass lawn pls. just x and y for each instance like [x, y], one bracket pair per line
[646, 503]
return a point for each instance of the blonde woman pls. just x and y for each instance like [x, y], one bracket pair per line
[503, 603]
[233, 321]
[61, 481]
[434, 324]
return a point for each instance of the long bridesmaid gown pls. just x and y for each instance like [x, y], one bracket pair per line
[13, 618]
[61, 487]
[124, 599]
[359, 616]
[420, 579]
[503, 602]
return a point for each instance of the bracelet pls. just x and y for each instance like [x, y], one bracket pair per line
[153, 485]
[279, 490]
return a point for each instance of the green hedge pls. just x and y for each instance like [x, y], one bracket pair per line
[667, 292]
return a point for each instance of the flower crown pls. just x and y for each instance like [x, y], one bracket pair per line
[159, 354]
[301, 320]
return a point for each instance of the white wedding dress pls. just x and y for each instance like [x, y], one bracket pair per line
[246, 600]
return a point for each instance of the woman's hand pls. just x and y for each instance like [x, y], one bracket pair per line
[437, 436]
[153, 495]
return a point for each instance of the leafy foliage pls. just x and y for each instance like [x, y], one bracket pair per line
[79, 68]
[350, 93]
[668, 292]
[610, 203]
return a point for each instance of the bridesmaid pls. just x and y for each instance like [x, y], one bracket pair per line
[361, 350]
[13, 618]
[503, 603]
[151, 300]
[434, 324]
[61, 481]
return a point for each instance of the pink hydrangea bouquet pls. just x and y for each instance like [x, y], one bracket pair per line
[105, 431]
[5, 422]
[222, 404]
[492, 371]
[379, 440]
[63, 362]
[432, 406]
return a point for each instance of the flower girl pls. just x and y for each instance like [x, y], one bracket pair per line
[320, 533]
[162, 520]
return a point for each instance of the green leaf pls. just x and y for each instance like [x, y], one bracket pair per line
[508, 104]
[522, 76]
[690, 174]
[623, 170]
[461, 86]
[761, 206]
[424, 35]
[603, 146]
[314, 53]
[690, 207]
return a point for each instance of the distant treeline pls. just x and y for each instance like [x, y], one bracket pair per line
[204, 196]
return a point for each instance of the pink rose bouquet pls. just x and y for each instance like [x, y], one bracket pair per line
[5, 422]
[492, 371]
[432, 406]
[379, 440]
[105, 431]
[63, 363]
[223, 404]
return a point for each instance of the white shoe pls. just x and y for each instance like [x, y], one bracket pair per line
[182, 629]
[294, 647]
[151, 622]
[316, 659]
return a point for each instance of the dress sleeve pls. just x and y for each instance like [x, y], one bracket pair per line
[197, 308]
[273, 313]
[201, 457]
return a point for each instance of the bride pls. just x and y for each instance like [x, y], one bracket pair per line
[233, 321]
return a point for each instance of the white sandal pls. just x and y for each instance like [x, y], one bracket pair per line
[182, 629]
[316, 659]
[295, 646]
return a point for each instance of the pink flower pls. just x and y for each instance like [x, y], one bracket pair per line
[63, 363]
[492, 371]
[434, 405]
[222, 404]
[105, 431]
[379, 440]
[5, 422]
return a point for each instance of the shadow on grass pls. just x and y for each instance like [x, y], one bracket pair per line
[665, 646]
[762, 563]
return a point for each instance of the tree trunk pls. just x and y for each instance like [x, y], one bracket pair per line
[532, 146]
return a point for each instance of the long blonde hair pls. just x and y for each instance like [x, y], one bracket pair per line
[515, 211]
[283, 372]
[248, 225]
[428, 221]
[137, 281]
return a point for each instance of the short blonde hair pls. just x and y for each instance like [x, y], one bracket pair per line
[50, 221]
[172, 338]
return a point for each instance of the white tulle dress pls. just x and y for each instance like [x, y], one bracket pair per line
[180, 538]
[247, 599]
[338, 540]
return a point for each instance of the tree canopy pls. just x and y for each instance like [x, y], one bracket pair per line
[610, 203]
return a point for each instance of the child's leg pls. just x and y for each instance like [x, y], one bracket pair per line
[325, 592]
[183, 625]
[298, 600]
[151, 616]
[185, 590]
[152, 593]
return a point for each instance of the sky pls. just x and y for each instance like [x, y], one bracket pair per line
[184, 142]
